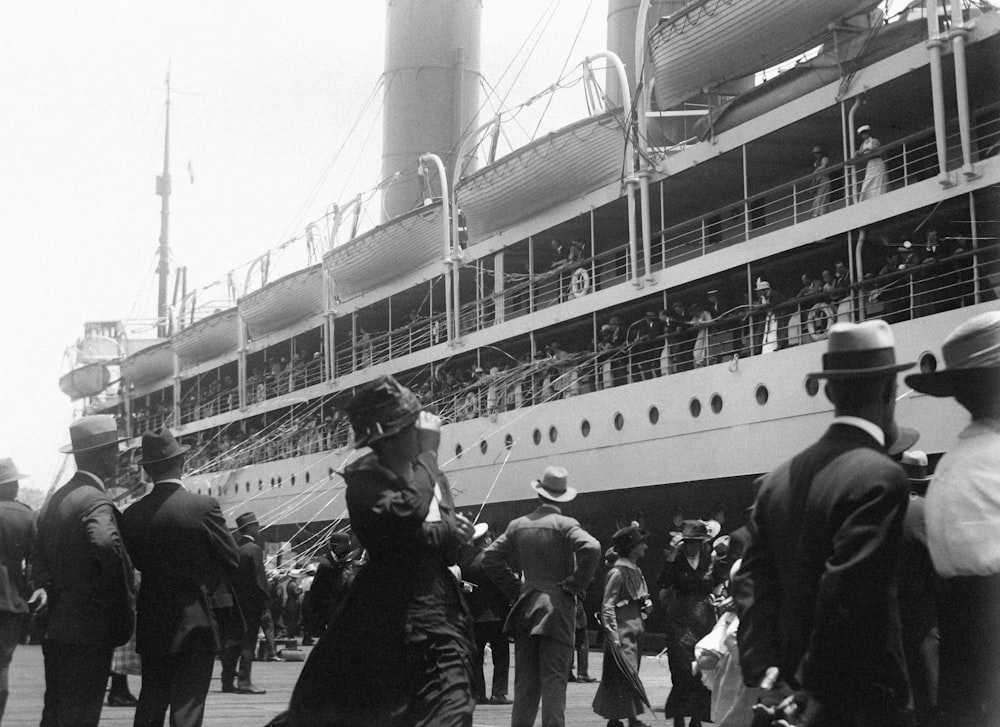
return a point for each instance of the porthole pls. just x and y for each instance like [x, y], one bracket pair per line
[260, 486]
[458, 450]
[812, 385]
[654, 415]
[536, 436]
[307, 477]
[293, 480]
[247, 488]
[279, 481]
[761, 394]
[585, 428]
[927, 363]
[483, 446]
[508, 441]
[695, 408]
[553, 434]
[272, 482]
[716, 403]
[619, 421]
[330, 475]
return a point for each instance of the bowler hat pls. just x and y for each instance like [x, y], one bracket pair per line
[8, 472]
[92, 432]
[247, 518]
[159, 446]
[553, 485]
[858, 350]
[974, 345]
[381, 408]
[628, 537]
[695, 530]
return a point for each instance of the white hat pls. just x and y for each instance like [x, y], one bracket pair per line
[859, 350]
[763, 284]
[864, 127]
[553, 485]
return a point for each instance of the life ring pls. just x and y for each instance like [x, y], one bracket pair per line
[818, 321]
[579, 283]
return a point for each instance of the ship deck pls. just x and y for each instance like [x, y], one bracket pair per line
[278, 678]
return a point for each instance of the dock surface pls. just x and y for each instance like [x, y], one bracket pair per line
[27, 683]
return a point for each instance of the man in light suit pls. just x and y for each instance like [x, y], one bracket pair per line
[817, 590]
[558, 559]
[180, 544]
[84, 574]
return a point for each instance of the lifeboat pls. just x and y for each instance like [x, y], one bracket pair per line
[284, 302]
[212, 336]
[710, 42]
[150, 365]
[376, 257]
[556, 168]
[84, 381]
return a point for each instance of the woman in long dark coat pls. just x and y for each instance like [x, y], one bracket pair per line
[625, 605]
[686, 588]
[399, 650]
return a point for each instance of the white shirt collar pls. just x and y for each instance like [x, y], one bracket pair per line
[863, 424]
[95, 478]
[172, 481]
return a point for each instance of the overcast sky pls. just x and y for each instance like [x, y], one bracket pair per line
[264, 96]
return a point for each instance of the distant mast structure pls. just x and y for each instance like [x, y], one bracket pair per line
[432, 76]
[163, 191]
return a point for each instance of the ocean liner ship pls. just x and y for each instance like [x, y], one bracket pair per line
[638, 296]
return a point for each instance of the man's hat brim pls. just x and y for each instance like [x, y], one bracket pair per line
[181, 450]
[70, 449]
[566, 496]
[941, 383]
[862, 373]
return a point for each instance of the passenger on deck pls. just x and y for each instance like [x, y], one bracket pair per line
[821, 182]
[876, 179]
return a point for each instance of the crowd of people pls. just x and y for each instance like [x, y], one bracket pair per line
[863, 590]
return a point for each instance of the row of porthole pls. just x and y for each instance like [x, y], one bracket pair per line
[761, 395]
[260, 483]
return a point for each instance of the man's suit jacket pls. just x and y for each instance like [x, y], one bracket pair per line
[250, 581]
[17, 538]
[817, 591]
[81, 562]
[180, 544]
[558, 558]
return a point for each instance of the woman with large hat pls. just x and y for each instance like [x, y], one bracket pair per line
[399, 650]
[686, 588]
[625, 605]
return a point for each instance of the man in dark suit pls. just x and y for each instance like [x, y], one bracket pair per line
[250, 587]
[817, 591]
[17, 537]
[180, 544]
[558, 559]
[83, 572]
[334, 576]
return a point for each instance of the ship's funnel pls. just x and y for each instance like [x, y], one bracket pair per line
[622, 16]
[432, 73]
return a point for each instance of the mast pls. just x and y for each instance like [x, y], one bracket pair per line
[163, 191]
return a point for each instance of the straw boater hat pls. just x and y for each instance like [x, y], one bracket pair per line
[92, 432]
[860, 350]
[863, 128]
[915, 463]
[553, 485]
[381, 408]
[8, 472]
[973, 346]
[628, 537]
[159, 446]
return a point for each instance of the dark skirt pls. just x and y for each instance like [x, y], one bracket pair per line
[692, 619]
[614, 698]
[371, 669]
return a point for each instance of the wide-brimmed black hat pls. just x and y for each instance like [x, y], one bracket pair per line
[860, 350]
[695, 530]
[380, 409]
[973, 346]
[628, 537]
[159, 446]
